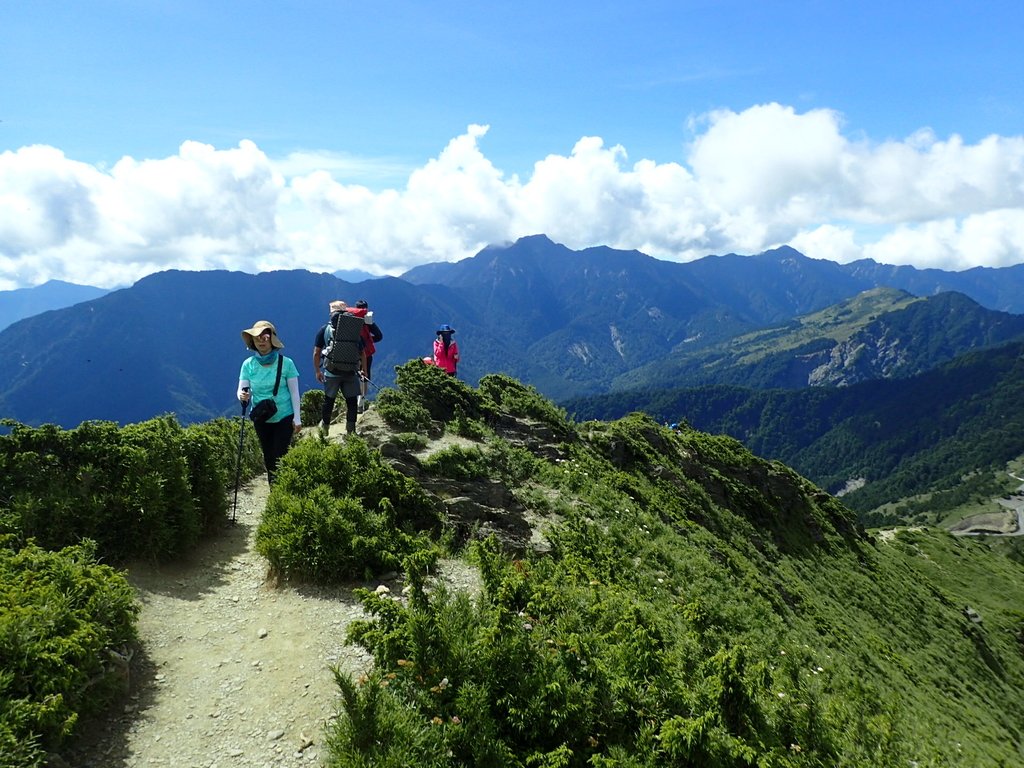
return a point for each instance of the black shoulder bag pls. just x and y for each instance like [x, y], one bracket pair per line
[264, 409]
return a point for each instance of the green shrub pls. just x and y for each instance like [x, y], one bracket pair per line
[214, 460]
[551, 668]
[159, 511]
[688, 612]
[311, 406]
[458, 463]
[442, 395]
[513, 464]
[473, 429]
[525, 401]
[61, 616]
[144, 490]
[379, 729]
[410, 441]
[401, 412]
[338, 512]
[207, 475]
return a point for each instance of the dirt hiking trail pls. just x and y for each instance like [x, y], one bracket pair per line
[233, 670]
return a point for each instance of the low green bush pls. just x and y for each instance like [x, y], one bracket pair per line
[457, 462]
[63, 616]
[311, 406]
[442, 395]
[551, 667]
[146, 490]
[472, 429]
[401, 412]
[695, 605]
[339, 512]
[214, 461]
[410, 441]
[512, 463]
[525, 401]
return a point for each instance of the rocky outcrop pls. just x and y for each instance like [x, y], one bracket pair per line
[475, 508]
[861, 358]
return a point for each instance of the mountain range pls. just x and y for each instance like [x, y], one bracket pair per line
[626, 329]
[53, 294]
[883, 333]
[570, 323]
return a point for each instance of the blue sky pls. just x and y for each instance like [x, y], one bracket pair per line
[139, 136]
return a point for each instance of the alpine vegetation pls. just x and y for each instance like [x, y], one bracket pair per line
[647, 596]
[72, 503]
[687, 604]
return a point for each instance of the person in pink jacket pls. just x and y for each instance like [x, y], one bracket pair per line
[446, 351]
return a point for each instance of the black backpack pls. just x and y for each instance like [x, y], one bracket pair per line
[342, 336]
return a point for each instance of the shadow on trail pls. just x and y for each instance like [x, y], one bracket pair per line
[105, 738]
[212, 560]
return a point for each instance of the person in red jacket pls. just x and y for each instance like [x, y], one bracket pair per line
[371, 334]
[446, 351]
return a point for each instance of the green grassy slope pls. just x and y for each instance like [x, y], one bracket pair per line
[695, 605]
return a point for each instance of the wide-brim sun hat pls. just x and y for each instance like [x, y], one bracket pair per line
[249, 334]
[446, 329]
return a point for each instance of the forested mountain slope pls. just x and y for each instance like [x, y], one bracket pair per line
[879, 334]
[901, 436]
[20, 303]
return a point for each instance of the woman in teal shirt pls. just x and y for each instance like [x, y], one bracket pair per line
[256, 382]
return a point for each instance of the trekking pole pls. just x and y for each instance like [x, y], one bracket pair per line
[238, 465]
[369, 381]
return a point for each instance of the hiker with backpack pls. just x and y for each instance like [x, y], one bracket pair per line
[446, 351]
[371, 335]
[339, 358]
[270, 381]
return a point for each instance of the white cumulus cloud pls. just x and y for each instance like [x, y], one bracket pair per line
[749, 180]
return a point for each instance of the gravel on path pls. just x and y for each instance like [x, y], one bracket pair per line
[233, 670]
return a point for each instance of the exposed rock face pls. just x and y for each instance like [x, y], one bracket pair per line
[480, 507]
[861, 358]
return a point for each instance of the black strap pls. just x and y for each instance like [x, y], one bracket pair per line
[277, 381]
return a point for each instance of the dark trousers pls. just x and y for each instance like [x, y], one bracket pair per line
[348, 386]
[275, 439]
[351, 412]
